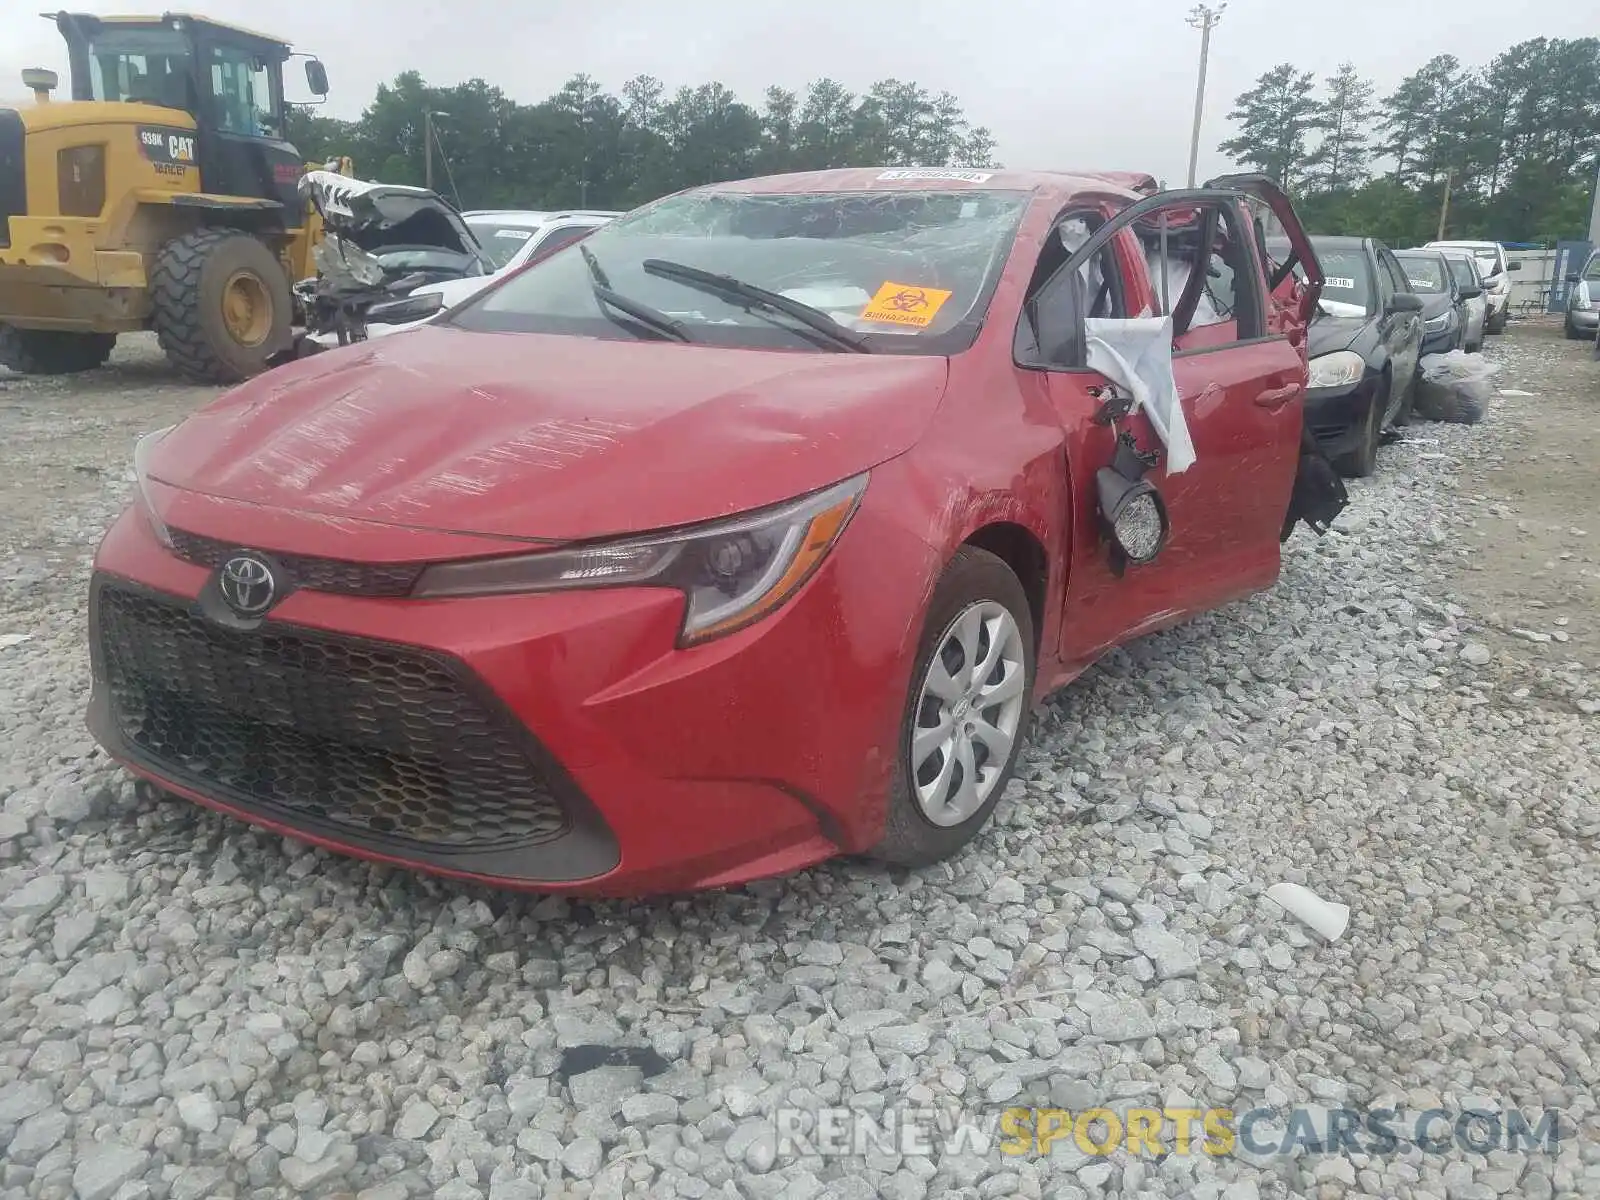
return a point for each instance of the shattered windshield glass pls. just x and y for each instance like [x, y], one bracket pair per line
[911, 270]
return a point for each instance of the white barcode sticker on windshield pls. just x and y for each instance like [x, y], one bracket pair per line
[1348, 285]
[516, 235]
[1424, 284]
[937, 173]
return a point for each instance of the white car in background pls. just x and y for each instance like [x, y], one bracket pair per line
[1496, 273]
[510, 238]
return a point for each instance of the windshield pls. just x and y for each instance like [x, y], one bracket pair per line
[1592, 270]
[1426, 274]
[502, 238]
[911, 270]
[241, 91]
[144, 66]
[1346, 278]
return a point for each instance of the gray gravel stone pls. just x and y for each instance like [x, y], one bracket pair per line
[198, 1010]
[105, 1168]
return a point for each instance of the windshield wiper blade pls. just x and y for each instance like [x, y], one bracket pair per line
[652, 319]
[760, 298]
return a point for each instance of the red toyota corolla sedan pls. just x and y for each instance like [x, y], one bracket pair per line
[742, 534]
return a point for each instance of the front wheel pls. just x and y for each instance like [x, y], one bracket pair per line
[1363, 459]
[222, 305]
[966, 713]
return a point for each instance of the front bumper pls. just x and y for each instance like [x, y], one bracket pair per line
[1442, 342]
[556, 742]
[1584, 320]
[1337, 417]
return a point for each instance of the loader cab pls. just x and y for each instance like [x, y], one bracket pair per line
[228, 80]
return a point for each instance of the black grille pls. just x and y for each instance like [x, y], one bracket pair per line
[317, 574]
[355, 735]
[13, 177]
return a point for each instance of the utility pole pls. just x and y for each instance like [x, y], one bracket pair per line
[1444, 207]
[1203, 17]
[427, 145]
[1594, 218]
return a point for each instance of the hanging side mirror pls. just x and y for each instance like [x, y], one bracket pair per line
[1132, 511]
[316, 77]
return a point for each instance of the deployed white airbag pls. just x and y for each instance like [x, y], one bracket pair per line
[1137, 356]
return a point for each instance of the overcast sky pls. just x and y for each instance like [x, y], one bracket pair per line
[1062, 83]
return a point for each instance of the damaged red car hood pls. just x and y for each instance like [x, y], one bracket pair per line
[543, 437]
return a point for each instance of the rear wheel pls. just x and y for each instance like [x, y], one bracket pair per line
[966, 713]
[1363, 460]
[222, 305]
[53, 351]
[1574, 334]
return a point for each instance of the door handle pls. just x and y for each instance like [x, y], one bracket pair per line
[1276, 398]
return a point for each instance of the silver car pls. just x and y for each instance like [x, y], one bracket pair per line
[1473, 294]
[1583, 300]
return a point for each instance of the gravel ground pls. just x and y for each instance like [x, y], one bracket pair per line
[197, 1010]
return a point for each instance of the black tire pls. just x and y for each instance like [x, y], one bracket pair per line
[1574, 334]
[53, 351]
[191, 278]
[1497, 324]
[973, 576]
[1363, 460]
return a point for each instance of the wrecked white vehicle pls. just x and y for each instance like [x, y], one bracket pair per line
[381, 243]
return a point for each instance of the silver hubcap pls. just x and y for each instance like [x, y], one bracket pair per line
[968, 712]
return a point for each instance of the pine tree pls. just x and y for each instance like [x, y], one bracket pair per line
[1339, 162]
[1274, 118]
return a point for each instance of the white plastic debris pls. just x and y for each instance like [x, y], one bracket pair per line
[1518, 392]
[8, 640]
[1455, 387]
[1324, 917]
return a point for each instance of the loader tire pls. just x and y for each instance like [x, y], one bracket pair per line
[221, 305]
[53, 351]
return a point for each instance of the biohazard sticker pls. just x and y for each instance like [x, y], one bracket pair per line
[1348, 285]
[904, 304]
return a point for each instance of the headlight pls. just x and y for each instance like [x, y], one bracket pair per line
[1338, 369]
[730, 572]
[1434, 324]
[141, 476]
[1582, 299]
[343, 262]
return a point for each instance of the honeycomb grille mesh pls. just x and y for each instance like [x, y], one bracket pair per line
[317, 574]
[358, 735]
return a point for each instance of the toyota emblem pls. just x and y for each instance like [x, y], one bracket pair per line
[247, 584]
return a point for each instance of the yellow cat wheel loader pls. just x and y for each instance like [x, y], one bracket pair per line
[162, 195]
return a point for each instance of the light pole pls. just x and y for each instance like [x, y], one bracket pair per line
[427, 145]
[1594, 218]
[1203, 17]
